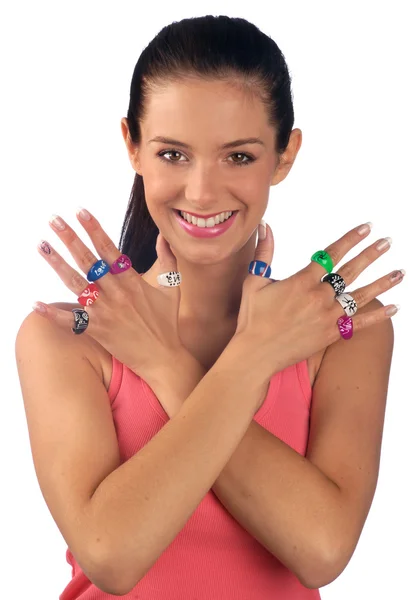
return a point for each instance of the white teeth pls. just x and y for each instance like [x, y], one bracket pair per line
[207, 222]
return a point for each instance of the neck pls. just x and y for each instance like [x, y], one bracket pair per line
[212, 293]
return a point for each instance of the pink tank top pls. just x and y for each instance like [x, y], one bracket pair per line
[213, 556]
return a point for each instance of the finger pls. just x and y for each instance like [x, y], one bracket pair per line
[352, 269]
[63, 318]
[371, 317]
[69, 276]
[82, 255]
[102, 242]
[264, 252]
[365, 294]
[167, 261]
[338, 249]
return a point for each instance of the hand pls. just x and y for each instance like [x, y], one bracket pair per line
[135, 322]
[292, 319]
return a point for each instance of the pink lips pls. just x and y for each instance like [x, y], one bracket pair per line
[205, 232]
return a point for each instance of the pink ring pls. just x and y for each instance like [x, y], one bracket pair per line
[346, 327]
[121, 264]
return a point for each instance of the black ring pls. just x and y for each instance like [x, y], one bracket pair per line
[81, 320]
[336, 281]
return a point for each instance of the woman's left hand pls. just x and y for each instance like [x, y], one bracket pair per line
[135, 322]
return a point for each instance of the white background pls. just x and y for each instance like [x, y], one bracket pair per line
[66, 70]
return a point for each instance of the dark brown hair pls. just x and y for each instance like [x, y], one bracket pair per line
[212, 48]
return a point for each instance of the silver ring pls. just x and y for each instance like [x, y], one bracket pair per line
[169, 279]
[347, 303]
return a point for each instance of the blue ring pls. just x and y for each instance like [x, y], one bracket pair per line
[260, 268]
[99, 269]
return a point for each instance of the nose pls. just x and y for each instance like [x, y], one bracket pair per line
[202, 190]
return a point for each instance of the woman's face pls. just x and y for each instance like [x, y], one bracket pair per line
[205, 178]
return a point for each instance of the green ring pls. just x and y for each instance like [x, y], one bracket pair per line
[324, 259]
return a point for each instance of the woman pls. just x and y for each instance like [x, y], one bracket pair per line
[219, 438]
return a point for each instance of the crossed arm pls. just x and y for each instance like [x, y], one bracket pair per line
[312, 509]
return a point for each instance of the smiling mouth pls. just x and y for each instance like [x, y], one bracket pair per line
[179, 212]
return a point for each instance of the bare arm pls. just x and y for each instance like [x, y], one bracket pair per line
[140, 507]
[283, 500]
[309, 511]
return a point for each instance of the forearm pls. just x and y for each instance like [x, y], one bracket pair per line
[140, 508]
[285, 502]
[277, 495]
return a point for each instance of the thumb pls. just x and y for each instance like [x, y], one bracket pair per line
[264, 252]
[167, 261]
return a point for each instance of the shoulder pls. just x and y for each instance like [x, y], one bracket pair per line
[35, 326]
[380, 333]
[375, 336]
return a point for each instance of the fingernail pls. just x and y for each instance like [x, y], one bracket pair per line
[57, 222]
[45, 247]
[386, 242]
[392, 310]
[397, 275]
[364, 228]
[83, 214]
[39, 307]
[262, 230]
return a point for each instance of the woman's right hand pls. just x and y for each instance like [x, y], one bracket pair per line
[134, 321]
[294, 318]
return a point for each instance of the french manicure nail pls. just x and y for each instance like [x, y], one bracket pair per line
[364, 228]
[384, 243]
[83, 213]
[392, 310]
[262, 230]
[39, 307]
[57, 222]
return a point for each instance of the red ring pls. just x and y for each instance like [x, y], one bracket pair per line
[89, 295]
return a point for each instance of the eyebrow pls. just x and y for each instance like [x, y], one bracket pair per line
[166, 140]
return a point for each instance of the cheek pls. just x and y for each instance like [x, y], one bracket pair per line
[160, 189]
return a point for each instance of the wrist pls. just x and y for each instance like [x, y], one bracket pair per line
[177, 375]
[246, 359]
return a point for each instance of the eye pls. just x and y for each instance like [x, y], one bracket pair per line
[249, 158]
[161, 154]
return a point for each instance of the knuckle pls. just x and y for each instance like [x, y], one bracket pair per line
[334, 254]
[71, 236]
[347, 272]
[316, 298]
[88, 258]
[106, 246]
[360, 296]
[77, 281]
[121, 296]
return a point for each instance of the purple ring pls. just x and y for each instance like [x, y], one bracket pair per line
[121, 264]
[346, 327]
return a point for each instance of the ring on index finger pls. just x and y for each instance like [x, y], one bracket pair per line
[324, 259]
